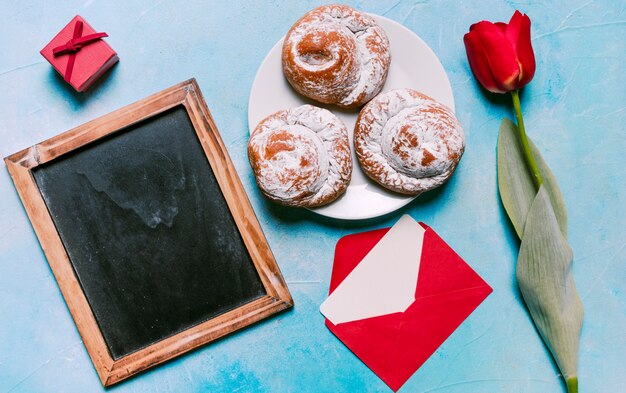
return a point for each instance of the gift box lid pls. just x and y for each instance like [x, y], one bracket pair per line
[91, 59]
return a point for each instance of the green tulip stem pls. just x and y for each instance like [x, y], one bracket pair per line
[572, 385]
[528, 155]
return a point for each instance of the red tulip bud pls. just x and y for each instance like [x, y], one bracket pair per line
[501, 55]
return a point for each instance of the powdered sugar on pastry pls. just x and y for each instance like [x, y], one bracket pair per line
[336, 55]
[301, 156]
[408, 142]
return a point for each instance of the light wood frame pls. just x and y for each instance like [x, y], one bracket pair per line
[187, 94]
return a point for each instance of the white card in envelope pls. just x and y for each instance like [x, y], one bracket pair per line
[384, 281]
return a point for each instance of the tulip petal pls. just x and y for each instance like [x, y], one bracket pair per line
[478, 62]
[518, 34]
[500, 55]
[475, 25]
[513, 29]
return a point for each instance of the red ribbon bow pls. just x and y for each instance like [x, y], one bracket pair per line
[73, 45]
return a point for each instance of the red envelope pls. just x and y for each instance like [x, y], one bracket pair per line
[395, 345]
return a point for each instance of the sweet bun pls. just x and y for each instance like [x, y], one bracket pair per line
[407, 142]
[336, 55]
[301, 156]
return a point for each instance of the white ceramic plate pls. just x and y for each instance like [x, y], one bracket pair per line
[413, 65]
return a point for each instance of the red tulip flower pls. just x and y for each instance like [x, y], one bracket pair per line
[501, 55]
[502, 59]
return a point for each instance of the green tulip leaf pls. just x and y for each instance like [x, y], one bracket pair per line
[517, 190]
[544, 275]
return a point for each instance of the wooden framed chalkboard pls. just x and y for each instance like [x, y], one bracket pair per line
[149, 232]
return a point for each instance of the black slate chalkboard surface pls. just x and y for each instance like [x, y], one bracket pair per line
[148, 232]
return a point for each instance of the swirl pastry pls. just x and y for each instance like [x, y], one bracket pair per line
[408, 142]
[301, 156]
[336, 55]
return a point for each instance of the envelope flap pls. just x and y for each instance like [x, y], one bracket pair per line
[444, 271]
[350, 250]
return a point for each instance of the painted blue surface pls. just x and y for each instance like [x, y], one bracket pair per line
[574, 111]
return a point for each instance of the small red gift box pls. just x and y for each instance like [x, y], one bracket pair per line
[80, 54]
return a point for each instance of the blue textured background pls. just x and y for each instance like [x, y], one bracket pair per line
[574, 111]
